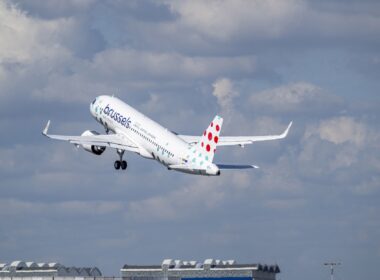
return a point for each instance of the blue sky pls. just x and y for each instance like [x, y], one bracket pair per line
[259, 64]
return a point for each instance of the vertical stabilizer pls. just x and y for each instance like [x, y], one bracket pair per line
[210, 138]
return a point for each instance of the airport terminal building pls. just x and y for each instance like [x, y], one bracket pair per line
[170, 269]
[208, 270]
[29, 270]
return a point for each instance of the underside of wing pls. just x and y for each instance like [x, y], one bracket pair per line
[115, 141]
[238, 140]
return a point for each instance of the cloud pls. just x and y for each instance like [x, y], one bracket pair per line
[38, 53]
[301, 97]
[340, 130]
[25, 39]
[340, 151]
[343, 129]
[55, 8]
[179, 204]
[169, 66]
[225, 93]
[254, 25]
[226, 20]
[135, 70]
[198, 197]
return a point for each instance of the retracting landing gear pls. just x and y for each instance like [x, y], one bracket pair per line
[120, 163]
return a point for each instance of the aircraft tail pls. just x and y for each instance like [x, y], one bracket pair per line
[210, 138]
[200, 156]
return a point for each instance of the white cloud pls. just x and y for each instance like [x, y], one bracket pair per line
[135, 70]
[25, 39]
[225, 20]
[296, 97]
[343, 129]
[167, 65]
[184, 202]
[225, 93]
[56, 8]
[290, 21]
[340, 130]
[200, 196]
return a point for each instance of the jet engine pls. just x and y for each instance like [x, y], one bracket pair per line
[97, 150]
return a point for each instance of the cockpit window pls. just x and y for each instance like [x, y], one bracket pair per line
[93, 102]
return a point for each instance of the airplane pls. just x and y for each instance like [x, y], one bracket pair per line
[129, 130]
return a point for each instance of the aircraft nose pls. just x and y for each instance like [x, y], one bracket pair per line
[92, 108]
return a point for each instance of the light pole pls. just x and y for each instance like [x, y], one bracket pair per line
[332, 265]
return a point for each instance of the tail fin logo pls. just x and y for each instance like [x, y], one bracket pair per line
[210, 138]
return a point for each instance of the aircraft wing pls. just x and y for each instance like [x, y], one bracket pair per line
[115, 141]
[238, 140]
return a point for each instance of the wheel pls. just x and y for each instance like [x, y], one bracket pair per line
[117, 165]
[124, 165]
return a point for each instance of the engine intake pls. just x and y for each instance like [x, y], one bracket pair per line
[96, 150]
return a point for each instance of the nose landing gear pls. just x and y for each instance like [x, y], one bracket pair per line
[120, 163]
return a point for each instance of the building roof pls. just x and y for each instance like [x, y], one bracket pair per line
[170, 264]
[20, 268]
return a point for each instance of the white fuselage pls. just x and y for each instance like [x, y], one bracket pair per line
[153, 140]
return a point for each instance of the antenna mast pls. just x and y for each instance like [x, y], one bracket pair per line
[332, 265]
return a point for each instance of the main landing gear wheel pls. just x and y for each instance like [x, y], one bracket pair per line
[124, 165]
[120, 163]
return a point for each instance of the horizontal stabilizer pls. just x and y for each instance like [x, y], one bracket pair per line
[236, 166]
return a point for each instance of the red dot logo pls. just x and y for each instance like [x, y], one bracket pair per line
[216, 139]
[217, 127]
[202, 144]
[209, 136]
[204, 133]
[208, 148]
[212, 124]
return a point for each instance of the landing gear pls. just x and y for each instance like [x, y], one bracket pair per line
[120, 163]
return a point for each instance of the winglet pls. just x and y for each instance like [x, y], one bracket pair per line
[45, 131]
[285, 133]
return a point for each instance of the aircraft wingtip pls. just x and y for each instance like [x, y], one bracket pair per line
[287, 129]
[45, 131]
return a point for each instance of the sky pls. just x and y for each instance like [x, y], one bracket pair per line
[260, 64]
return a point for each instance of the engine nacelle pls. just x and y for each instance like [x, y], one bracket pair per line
[96, 150]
